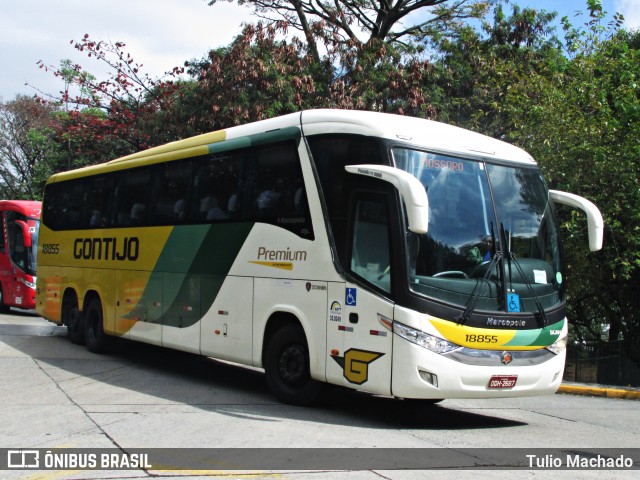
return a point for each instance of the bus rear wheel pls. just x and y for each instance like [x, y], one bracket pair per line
[72, 318]
[287, 367]
[95, 338]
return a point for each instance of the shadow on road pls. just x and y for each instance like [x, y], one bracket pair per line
[225, 388]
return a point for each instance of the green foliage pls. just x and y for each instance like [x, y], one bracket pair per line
[26, 148]
[574, 104]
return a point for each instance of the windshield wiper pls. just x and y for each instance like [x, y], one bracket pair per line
[540, 316]
[496, 258]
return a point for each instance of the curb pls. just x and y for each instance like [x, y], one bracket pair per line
[595, 391]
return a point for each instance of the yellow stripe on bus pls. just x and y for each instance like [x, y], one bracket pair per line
[480, 338]
[197, 141]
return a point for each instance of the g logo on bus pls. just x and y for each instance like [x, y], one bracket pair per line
[355, 364]
[506, 358]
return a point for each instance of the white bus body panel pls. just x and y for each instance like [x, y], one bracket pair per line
[227, 328]
[359, 348]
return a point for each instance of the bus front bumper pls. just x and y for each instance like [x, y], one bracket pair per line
[421, 373]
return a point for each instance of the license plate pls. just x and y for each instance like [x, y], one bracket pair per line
[502, 381]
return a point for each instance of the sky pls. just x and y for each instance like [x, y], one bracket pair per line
[160, 34]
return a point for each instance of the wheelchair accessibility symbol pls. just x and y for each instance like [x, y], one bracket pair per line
[350, 297]
[513, 302]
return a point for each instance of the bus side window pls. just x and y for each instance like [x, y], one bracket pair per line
[132, 194]
[16, 246]
[279, 194]
[331, 153]
[73, 202]
[370, 258]
[98, 201]
[173, 182]
[217, 186]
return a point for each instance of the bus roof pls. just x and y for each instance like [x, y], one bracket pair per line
[427, 134]
[30, 208]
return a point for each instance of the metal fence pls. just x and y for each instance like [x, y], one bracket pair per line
[606, 363]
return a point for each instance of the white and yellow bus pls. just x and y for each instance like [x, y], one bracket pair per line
[387, 254]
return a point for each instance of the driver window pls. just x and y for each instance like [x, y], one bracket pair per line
[1, 232]
[370, 243]
[16, 246]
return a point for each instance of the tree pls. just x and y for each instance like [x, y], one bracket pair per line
[356, 23]
[122, 109]
[583, 125]
[26, 149]
[259, 76]
[255, 77]
[483, 76]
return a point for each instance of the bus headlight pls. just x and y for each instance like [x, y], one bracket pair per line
[434, 344]
[31, 285]
[559, 345]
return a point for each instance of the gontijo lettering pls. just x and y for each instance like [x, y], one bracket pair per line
[108, 248]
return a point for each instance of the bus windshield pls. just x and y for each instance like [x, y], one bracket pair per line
[23, 253]
[34, 227]
[492, 242]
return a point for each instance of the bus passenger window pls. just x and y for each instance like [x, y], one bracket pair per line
[98, 199]
[72, 204]
[217, 186]
[173, 181]
[280, 188]
[131, 198]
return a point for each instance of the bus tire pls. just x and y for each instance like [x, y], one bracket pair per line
[72, 317]
[3, 307]
[287, 367]
[95, 338]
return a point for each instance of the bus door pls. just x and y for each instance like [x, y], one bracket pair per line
[16, 263]
[359, 345]
[6, 268]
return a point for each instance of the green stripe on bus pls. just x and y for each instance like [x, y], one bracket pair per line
[274, 136]
[209, 252]
[535, 338]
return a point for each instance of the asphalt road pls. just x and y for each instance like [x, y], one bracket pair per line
[58, 395]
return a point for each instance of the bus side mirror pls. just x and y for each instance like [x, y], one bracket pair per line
[26, 233]
[412, 191]
[595, 223]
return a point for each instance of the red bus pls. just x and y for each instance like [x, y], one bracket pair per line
[20, 220]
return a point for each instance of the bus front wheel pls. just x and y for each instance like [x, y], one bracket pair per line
[287, 367]
[3, 307]
[95, 338]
